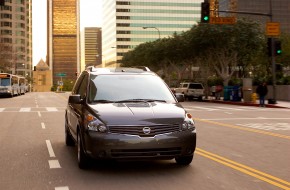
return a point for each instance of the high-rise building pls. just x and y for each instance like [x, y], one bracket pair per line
[63, 51]
[93, 46]
[127, 24]
[16, 37]
[280, 11]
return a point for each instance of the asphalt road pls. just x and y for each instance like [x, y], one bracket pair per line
[238, 147]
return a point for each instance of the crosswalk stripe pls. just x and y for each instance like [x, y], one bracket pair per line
[51, 109]
[2, 109]
[25, 109]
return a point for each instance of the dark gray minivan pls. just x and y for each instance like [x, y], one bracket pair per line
[127, 114]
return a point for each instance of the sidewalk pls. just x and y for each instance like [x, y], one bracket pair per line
[279, 104]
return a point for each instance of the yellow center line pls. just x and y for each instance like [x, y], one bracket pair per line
[245, 169]
[243, 128]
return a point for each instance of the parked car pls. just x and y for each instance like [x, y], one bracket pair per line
[127, 114]
[191, 90]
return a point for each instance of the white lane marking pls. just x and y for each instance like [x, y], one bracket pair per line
[228, 113]
[205, 108]
[53, 164]
[61, 188]
[39, 114]
[51, 109]
[49, 147]
[268, 126]
[228, 108]
[2, 109]
[43, 125]
[25, 109]
[248, 118]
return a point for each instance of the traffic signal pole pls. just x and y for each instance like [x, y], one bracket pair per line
[273, 53]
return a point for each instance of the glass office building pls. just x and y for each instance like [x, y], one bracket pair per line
[63, 52]
[129, 23]
[93, 46]
[280, 11]
[16, 37]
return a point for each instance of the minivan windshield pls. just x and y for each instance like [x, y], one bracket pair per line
[114, 88]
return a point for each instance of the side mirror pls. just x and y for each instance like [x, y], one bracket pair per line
[179, 97]
[74, 99]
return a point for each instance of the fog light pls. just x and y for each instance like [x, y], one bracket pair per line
[102, 154]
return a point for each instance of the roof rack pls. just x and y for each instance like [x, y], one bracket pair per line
[144, 68]
[137, 69]
[90, 68]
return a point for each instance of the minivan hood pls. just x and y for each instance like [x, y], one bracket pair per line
[139, 113]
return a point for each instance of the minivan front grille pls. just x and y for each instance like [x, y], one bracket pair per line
[144, 130]
[146, 153]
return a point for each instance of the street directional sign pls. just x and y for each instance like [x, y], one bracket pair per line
[273, 29]
[61, 74]
[222, 20]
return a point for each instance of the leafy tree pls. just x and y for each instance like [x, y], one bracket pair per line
[228, 48]
[216, 49]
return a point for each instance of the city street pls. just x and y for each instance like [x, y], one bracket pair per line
[238, 147]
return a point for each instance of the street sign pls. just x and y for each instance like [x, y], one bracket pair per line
[222, 20]
[61, 74]
[273, 29]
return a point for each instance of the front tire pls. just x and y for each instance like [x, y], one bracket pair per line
[184, 160]
[82, 157]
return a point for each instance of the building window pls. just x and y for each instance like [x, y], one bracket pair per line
[20, 9]
[7, 16]
[6, 7]
[7, 24]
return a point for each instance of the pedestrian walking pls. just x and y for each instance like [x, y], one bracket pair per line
[262, 91]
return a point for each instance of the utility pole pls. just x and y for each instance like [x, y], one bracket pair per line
[273, 60]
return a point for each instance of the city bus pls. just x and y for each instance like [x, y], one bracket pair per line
[9, 84]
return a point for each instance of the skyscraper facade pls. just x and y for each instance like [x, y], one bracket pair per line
[16, 37]
[280, 11]
[93, 46]
[63, 52]
[127, 24]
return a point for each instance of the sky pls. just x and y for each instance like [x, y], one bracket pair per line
[90, 16]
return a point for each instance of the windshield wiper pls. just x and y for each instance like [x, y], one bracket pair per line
[140, 100]
[103, 101]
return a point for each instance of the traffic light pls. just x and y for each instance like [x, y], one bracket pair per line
[205, 12]
[278, 49]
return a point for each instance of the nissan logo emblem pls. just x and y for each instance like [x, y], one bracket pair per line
[146, 130]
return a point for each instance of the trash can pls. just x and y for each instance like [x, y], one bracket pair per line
[236, 94]
[247, 94]
[247, 89]
[228, 93]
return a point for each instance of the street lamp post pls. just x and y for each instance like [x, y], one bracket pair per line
[154, 28]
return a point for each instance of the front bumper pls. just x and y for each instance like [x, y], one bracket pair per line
[134, 147]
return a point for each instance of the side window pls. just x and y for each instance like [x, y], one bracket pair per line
[83, 87]
[77, 84]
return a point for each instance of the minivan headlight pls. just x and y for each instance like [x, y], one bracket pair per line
[95, 124]
[188, 123]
